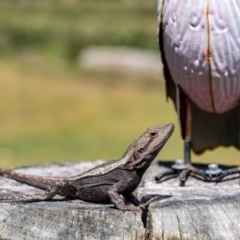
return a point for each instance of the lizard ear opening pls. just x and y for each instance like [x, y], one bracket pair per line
[129, 165]
[141, 150]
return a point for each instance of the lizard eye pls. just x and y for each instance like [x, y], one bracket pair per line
[153, 134]
[141, 150]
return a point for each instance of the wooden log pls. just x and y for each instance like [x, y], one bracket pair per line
[68, 220]
[198, 211]
[62, 218]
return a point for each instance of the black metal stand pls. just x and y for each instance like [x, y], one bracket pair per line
[212, 174]
[183, 168]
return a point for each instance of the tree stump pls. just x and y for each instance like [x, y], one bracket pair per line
[198, 211]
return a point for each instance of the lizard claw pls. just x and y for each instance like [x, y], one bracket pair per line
[151, 200]
[48, 190]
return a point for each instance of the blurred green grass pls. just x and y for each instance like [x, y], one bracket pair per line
[79, 115]
[63, 28]
[52, 111]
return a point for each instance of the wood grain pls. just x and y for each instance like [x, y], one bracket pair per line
[198, 211]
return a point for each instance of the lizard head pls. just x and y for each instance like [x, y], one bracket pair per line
[147, 146]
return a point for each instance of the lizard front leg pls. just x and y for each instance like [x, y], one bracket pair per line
[131, 198]
[49, 194]
[118, 201]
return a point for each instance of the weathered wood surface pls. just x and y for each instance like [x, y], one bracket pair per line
[198, 211]
[65, 219]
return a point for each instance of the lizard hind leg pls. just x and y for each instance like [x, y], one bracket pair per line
[49, 194]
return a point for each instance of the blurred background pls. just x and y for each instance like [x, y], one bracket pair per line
[80, 80]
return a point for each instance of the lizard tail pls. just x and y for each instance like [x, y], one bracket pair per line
[32, 180]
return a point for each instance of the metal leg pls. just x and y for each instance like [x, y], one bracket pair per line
[187, 152]
[183, 177]
[161, 176]
[177, 168]
[227, 172]
[201, 173]
[187, 160]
